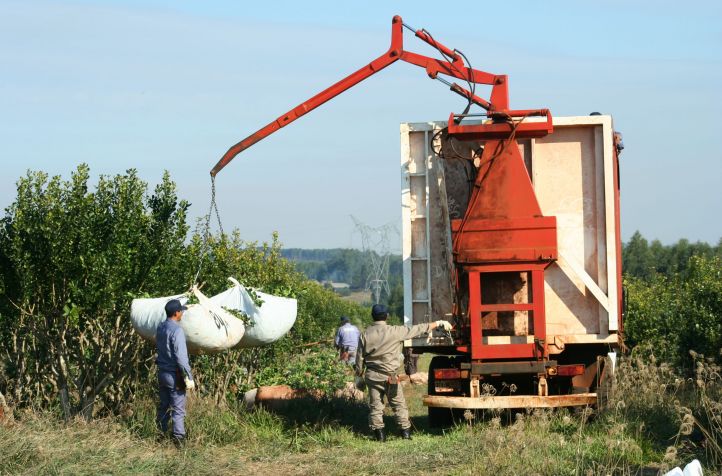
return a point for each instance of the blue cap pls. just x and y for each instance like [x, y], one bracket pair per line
[345, 319]
[379, 310]
[173, 306]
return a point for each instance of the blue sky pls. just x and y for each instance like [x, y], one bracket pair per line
[157, 85]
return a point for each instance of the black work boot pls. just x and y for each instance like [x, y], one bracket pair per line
[406, 433]
[179, 441]
[380, 435]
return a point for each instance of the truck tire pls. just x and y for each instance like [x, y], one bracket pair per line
[439, 417]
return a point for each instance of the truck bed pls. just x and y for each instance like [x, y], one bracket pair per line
[572, 171]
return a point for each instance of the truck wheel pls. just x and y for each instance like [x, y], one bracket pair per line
[439, 417]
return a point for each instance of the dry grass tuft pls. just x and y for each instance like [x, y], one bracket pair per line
[681, 415]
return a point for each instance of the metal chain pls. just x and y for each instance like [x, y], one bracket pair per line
[214, 204]
[207, 228]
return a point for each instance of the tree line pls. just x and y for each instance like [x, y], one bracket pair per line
[350, 266]
[645, 260]
[345, 265]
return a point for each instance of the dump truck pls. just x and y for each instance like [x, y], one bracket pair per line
[534, 291]
[510, 232]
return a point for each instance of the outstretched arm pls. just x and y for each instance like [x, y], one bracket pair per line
[403, 332]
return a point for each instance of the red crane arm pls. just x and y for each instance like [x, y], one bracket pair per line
[499, 99]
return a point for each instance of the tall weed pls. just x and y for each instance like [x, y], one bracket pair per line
[682, 416]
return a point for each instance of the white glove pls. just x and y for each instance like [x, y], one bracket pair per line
[444, 325]
[190, 384]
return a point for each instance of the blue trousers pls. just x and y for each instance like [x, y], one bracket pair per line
[172, 405]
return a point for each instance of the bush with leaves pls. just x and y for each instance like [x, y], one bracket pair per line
[262, 267]
[317, 369]
[71, 261]
[677, 314]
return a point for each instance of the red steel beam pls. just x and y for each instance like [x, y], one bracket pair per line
[391, 56]
[475, 315]
[499, 100]
[435, 66]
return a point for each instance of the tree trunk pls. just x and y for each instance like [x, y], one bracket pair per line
[86, 408]
[6, 413]
[65, 401]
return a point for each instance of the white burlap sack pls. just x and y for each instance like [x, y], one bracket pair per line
[271, 321]
[207, 326]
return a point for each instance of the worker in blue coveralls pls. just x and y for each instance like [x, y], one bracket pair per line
[174, 372]
[347, 340]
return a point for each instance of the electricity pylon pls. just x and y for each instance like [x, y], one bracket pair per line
[376, 244]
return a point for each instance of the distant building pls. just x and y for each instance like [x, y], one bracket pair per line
[340, 288]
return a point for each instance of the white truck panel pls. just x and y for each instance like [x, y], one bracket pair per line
[573, 177]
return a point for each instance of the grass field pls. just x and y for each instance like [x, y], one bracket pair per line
[332, 441]
[330, 438]
[359, 297]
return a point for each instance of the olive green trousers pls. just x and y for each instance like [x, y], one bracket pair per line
[395, 395]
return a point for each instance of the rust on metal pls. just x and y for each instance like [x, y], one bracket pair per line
[513, 401]
[504, 368]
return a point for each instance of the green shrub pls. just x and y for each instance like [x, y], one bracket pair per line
[229, 374]
[71, 261]
[674, 315]
[317, 369]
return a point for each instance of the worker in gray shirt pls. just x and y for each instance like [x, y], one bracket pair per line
[174, 372]
[378, 359]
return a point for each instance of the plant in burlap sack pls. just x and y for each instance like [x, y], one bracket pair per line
[229, 374]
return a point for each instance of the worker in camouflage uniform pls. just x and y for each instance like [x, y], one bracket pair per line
[378, 359]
